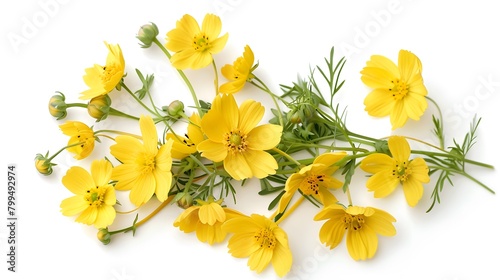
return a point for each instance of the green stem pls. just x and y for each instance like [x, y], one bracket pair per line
[138, 100]
[147, 218]
[216, 79]
[118, 132]
[62, 149]
[183, 76]
[465, 175]
[433, 154]
[263, 87]
[114, 112]
[287, 156]
[441, 128]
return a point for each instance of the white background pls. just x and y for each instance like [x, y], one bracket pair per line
[47, 44]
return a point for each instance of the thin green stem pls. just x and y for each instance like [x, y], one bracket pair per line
[273, 97]
[441, 128]
[184, 78]
[138, 100]
[452, 156]
[216, 78]
[62, 149]
[287, 156]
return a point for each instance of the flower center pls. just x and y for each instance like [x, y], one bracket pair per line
[399, 90]
[201, 42]
[265, 238]
[235, 141]
[353, 222]
[401, 171]
[312, 184]
[95, 196]
[108, 72]
[147, 163]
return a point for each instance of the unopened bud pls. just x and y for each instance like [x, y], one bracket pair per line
[43, 165]
[104, 236]
[175, 108]
[99, 106]
[147, 34]
[57, 106]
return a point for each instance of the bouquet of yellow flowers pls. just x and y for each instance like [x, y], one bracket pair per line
[196, 157]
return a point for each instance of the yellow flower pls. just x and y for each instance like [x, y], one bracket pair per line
[185, 146]
[145, 168]
[398, 91]
[235, 138]
[362, 225]
[390, 171]
[314, 180]
[94, 195]
[260, 239]
[103, 79]
[81, 139]
[238, 73]
[194, 47]
[206, 219]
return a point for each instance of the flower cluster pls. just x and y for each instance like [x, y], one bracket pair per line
[304, 153]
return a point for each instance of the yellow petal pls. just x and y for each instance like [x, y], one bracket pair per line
[105, 216]
[260, 163]
[101, 172]
[362, 244]
[73, 205]
[126, 149]
[237, 166]
[250, 114]
[381, 223]
[219, 44]
[413, 191]
[419, 170]
[264, 137]
[188, 219]
[242, 245]
[415, 105]
[211, 25]
[399, 147]
[216, 152]
[282, 260]
[149, 134]
[143, 189]
[378, 162]
[77, 180]
[260, 259]
[408, 64]
[126, 175]
[88, 216]
[379, 103]
[163, 181]
[211, 213]
[332, 231]
[382, 184]
[398, 115]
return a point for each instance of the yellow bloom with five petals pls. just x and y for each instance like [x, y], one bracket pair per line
[238, 73]
[234, 138]
[362, 225]
[389, 172]
[262, 241]
[103, 79]
[398, 91]
[145, 168]
[82, 138]
[314, 180]
[185, 146]
[193, 46]
[206, 219]
[94, 195]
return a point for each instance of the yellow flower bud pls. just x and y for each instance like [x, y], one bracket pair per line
[184, 200]
[147, 34]
[104, 236]
[175, 108]
[43, 165]
[99, 106]
[57, 106]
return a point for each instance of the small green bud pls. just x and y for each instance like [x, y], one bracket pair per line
[175, 108]
[104, 236]
[43, 165]
[57, 106]
[184, 200]
[99, 106]
[147, 34]
[295, 118]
